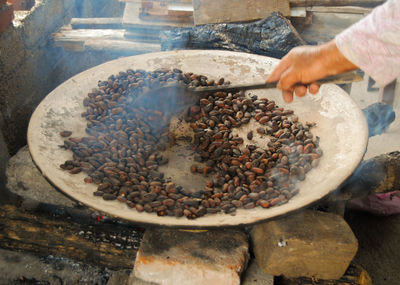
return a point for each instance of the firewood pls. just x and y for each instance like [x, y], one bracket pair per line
[379, 174]
[110, 245]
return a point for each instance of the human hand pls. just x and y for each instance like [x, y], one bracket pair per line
[302, 66]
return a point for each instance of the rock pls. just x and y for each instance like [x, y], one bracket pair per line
[170, 257]
[306, 244]
[25, 180]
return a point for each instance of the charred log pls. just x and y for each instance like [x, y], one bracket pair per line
[110, 245]
[355, 274]
[379, 174]
[273, 36]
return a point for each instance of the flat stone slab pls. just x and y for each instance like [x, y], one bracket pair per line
[170, 257]
[26, 181]
[306, 244]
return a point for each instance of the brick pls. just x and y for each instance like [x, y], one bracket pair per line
[171, 257]
[307, 244]
[6, 16]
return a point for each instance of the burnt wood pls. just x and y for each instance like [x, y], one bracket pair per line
[110, 245]
[379, 174]
[273, 36]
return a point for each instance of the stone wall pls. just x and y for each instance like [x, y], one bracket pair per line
[30, 67]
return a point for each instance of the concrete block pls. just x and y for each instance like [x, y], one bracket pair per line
[306, 244]
[170, 257]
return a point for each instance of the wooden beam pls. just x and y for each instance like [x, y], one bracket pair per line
[360, 3]
[340, 9]
[131, 19]
[96, 23]
[107, 245]
[210, 11]
[123, 46]
[113, 40]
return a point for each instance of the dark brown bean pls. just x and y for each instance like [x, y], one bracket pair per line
[109, 197]
[65, 134]
[120, 152]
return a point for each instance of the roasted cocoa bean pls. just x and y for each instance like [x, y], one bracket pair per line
[120, 152]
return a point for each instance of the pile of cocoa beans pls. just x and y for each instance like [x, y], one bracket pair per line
[123, 149]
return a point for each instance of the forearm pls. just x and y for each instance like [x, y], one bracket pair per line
[333, 60]
[373, 44]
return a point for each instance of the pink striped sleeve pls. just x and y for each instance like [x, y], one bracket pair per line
[373, 43]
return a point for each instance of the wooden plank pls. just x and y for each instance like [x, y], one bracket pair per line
[211, 11]
[325, 26]
[298, 12]
[131, 19]
[360, 3]
[112, 40]
[310, 3]
[122, 46]
[340, 9]
[168, 18]
[74, 40]
[82, 34]
[96, 23]
[107, 245]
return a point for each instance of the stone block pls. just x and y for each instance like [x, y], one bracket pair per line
[25, 180]
[6, 16]
[254, 276]
[46, 18]
[171, 256]
[306, 244]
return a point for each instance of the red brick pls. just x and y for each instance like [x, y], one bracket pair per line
[171, 257]
[6, 17]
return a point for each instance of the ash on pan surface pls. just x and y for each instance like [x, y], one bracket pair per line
[273, 36]
[124, 150]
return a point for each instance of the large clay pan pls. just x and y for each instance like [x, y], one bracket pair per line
[340, 125]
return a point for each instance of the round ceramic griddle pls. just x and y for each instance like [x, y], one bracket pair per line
[340, 125]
